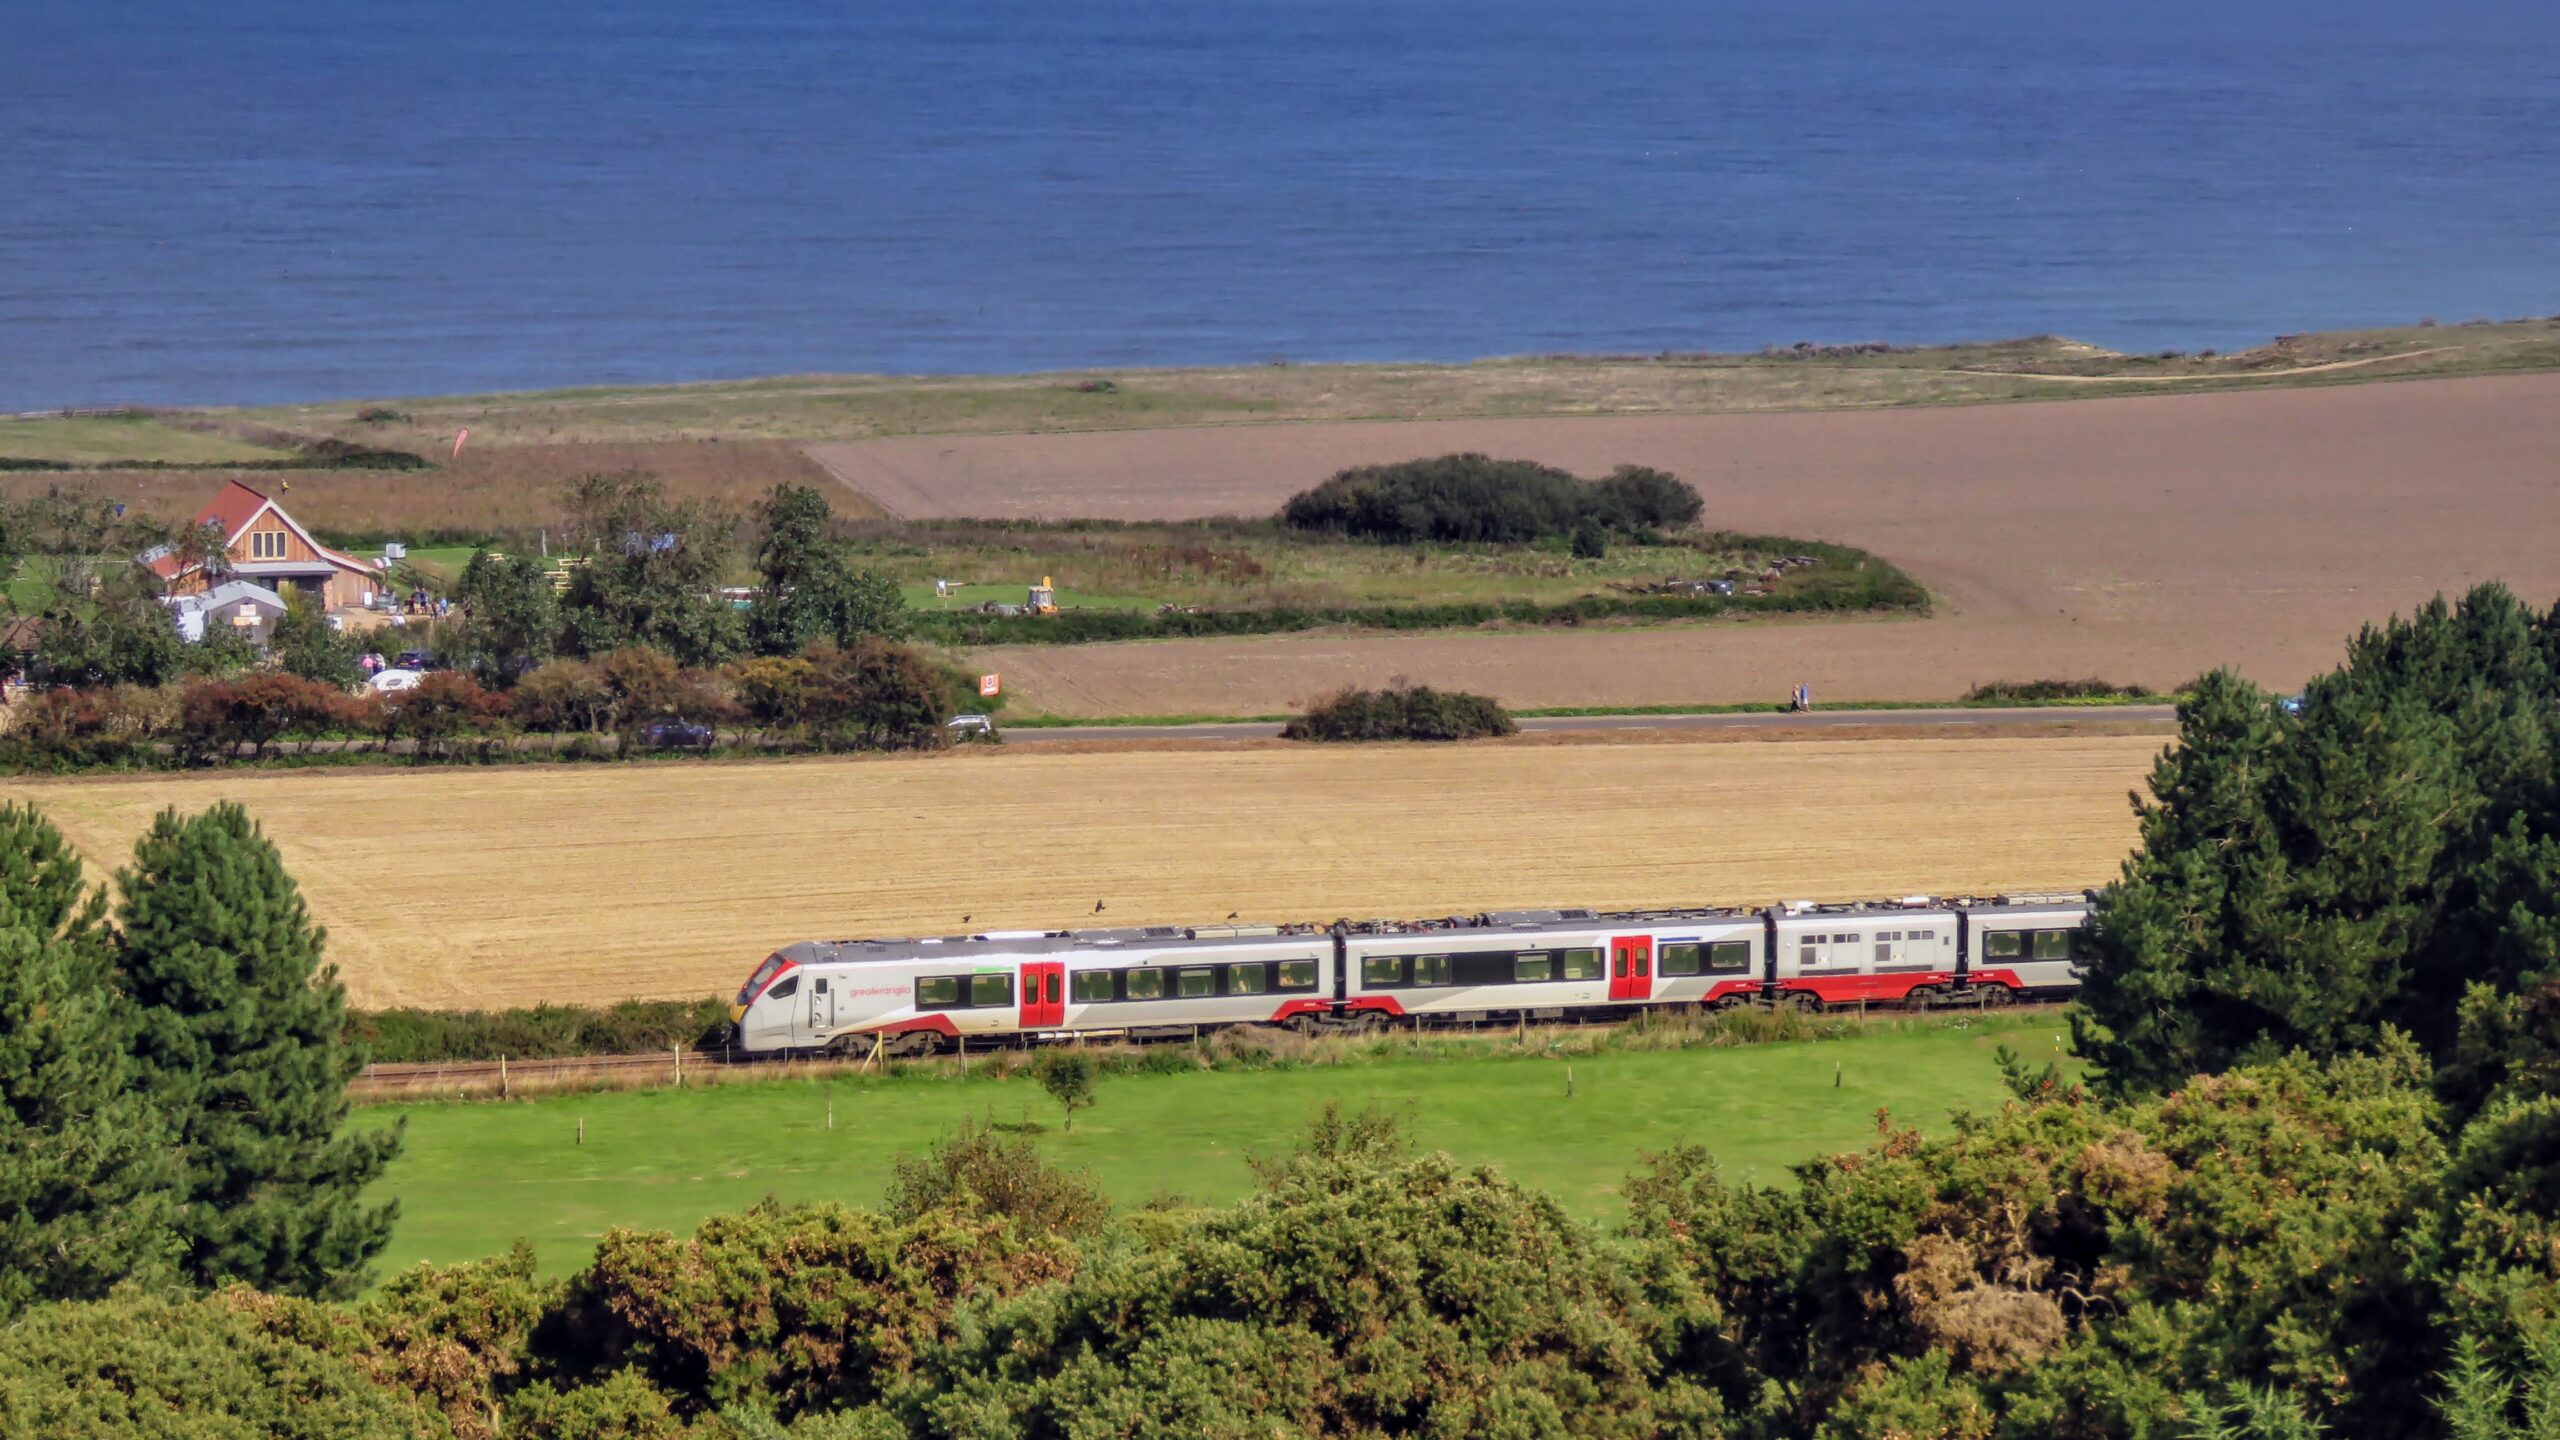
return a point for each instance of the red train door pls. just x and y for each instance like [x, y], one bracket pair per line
[1631, 968]
[1044, 994]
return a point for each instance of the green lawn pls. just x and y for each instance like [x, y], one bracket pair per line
[477, 1175]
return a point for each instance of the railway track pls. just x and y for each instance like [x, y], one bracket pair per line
[503, 1077]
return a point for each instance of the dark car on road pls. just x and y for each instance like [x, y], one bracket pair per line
[677, 735]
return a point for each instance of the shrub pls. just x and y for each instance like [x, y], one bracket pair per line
[563, 695]
[443, 706]
[1476, 498]
[813, 1308]
[2035, 691]
[1401, 711]
[980, 1172]
[148, 1366]
[542, 1032]
[217, 717]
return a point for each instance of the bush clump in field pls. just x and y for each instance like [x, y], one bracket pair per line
[1478, 499]
[1401, 712]
[2026, 692]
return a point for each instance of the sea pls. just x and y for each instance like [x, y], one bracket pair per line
[258, 201]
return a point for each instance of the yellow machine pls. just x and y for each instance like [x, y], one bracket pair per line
[1044, 598]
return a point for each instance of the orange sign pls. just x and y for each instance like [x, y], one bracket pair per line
[990, 684]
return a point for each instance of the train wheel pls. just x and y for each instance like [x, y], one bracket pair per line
[1923, 996]
[1800, 1000]
[1996, 996]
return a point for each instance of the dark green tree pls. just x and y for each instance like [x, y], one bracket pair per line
[126, 638]
[240, 1043]
[652, 574]
[2307, 879]
[812, 590]
[513, 616]
[86, 1196]
[305, 644]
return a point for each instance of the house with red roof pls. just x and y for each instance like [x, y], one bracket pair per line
[266, 545]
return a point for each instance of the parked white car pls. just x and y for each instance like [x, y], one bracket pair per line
[386, 681]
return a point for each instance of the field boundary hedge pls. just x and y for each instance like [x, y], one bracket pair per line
[1862, 583]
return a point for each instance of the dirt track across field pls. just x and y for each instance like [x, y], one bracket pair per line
[588, 884]
[2141, 540]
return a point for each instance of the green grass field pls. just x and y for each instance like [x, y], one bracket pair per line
[477, 1175]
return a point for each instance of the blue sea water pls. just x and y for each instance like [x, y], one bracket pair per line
[260, 201]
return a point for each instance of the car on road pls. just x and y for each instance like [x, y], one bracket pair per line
[964, 729]
[420, 660]
[677, 735]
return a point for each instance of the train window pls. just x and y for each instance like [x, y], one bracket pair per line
[784, 991]
[989, 991]
[1430, 969]
[1049, 989]
[2003, 945]
[2053, 944]
[1729, 957]
[1091, 987]
[1679, 960]
[1297, 974]
[1582, 964]
[1143, 984]
[1193, 984]
[1884, 949]
[1810, 951]
[1245, 980]
[1379, 970]
[937, 992]
[1537, 965]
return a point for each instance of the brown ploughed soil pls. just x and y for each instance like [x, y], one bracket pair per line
[517, 884]
[2139, 540]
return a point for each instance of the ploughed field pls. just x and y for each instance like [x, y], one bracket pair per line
[511, 885]
[2142, 540]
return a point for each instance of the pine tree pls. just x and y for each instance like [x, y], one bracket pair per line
[85, 1179]
[241, 1044]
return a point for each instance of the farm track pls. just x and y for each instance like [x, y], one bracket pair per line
[503, 1078]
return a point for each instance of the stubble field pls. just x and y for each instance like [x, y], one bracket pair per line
[513, 885]
[2141, 540]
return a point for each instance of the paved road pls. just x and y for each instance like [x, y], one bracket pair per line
[1749, 720]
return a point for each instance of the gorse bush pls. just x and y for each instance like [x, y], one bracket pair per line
[1401, 712]
[1476, 498]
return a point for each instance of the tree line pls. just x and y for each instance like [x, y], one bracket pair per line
[640, 638]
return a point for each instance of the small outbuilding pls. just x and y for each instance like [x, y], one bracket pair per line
[242, 605]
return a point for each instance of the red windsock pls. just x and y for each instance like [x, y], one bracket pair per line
[458, 437]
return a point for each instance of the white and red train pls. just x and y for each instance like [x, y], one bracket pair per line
[916, 996]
